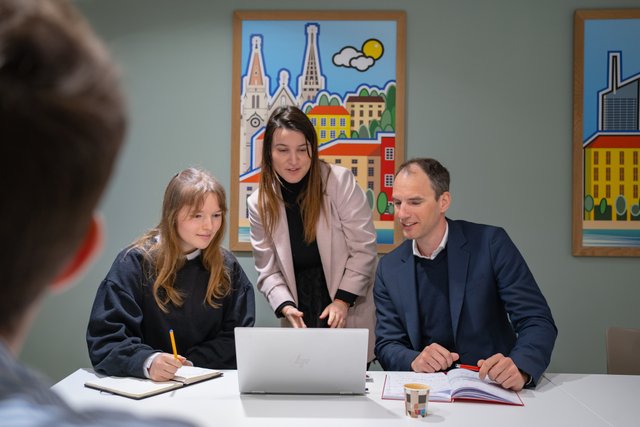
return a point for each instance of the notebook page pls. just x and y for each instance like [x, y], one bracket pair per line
[395, 381]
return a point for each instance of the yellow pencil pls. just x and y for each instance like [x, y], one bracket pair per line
[173, 344]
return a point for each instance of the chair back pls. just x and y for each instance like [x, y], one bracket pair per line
[623, 351]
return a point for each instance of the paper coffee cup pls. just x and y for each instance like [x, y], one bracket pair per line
[416, 397]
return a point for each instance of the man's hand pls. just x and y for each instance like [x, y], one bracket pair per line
[434, 358]
[502, 370]
[294, 316]
[164, 366]
[337, 312]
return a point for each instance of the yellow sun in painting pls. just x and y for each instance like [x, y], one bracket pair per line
[373, 48]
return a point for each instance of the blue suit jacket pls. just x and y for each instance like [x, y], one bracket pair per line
[496, 305]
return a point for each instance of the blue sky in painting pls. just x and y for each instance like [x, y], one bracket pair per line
[600, 37]
[284, 43]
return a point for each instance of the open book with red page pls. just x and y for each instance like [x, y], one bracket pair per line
[455, 385]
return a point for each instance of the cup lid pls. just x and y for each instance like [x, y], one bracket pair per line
[417, 386]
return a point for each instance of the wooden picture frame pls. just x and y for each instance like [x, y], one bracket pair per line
[336, 66]
[606, 133]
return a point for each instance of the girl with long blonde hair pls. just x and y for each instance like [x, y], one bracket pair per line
[178, 277]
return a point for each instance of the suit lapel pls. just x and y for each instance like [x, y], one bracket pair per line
[458, 265]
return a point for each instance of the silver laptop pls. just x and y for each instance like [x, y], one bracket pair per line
[301, 361]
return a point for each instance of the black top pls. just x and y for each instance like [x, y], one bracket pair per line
[305, 256]
[127, 326]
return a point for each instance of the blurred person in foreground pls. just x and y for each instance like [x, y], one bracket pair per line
[62, 122]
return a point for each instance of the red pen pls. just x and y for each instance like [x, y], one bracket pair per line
[469, 367]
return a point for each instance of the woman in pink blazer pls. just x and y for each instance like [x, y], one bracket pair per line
[312, 234]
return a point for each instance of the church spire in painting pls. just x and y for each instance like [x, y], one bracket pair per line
[254, 102]
[311, 81]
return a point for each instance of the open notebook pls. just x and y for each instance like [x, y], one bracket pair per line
[456, 384]
[138, 388]
[301, 361]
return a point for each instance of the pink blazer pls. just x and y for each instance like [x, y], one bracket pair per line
[346, 241]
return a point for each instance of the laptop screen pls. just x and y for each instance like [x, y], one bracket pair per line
[301, 361]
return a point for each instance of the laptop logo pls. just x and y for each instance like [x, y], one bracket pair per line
[300, 361]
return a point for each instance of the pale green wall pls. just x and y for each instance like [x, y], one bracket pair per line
[489, 93]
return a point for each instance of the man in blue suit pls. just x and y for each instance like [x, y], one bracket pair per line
[456, 291]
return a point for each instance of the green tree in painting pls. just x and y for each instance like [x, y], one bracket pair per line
[635, 212]
[363, 132]
[588, 206]
[385, 121]
[393, 118]
[364, 92]
[335, 102]
[391, 98]
[603, 206]
[621, 207]
[373, 128]
[388, 123]
[383, 201]
[324, 100]
[603, 211]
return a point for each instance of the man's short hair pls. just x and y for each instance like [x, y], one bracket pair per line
[438, 174]
[62, 122]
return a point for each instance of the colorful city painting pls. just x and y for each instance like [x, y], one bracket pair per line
[606, 133]
[345, 71]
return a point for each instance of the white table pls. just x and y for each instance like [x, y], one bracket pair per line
[218, 402]
[612, 398]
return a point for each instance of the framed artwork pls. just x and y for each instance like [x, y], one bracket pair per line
[345, 70]
[606, 133]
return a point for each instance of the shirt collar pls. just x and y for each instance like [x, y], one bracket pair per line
[439, 249]
[193, 255]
